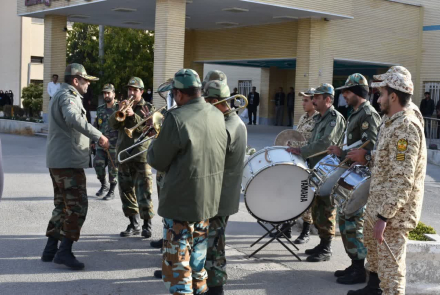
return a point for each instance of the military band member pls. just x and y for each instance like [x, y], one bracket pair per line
[191, 149]
[329, 130]
[134, 176]
[102, 158]
[214, 91]
[398, 169]
[67, 154]
[361, 126]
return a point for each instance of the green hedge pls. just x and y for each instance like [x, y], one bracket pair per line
[417, 234]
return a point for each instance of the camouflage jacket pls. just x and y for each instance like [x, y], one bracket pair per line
[124, 141]
[306, 125]
[362, 125]
[329, 130]
[103, 114]
[398, 171]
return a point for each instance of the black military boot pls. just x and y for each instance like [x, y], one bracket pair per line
[372, 287]
[286, 228]
[304, 237]
[157, 244]
[341, 273]
[146, 229]
[158, 274]
[104, 187]
[215, 291]
[50, 250]
[66, 257]
[314, 250]
[356, 275]
[323, 254]
[111, 193]
[134, 228]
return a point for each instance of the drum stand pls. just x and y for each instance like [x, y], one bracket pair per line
[279, 234]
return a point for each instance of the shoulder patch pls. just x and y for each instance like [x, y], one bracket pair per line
[333, 123]
[400, 157]
[402, 145]
[365, 125]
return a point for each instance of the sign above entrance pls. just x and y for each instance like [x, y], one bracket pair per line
[36, 2]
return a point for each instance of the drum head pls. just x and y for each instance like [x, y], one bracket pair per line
[279, 193]
[358, 199]
[288, 138]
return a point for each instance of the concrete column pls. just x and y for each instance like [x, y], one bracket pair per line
[55, 47]
[265, 116]
[169, 42]
[314, 65]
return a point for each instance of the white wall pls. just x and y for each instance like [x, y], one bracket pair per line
[235, 74]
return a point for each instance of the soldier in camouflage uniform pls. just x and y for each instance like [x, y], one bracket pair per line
[134, 176]
[102, 158]
[214, 91]
[191, 149]
[67, 154]
[361, 126]
[398, 168]
[329, 130]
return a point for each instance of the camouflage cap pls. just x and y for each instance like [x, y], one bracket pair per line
[354, 80]
[108, 88]
[78, 70]
[325, 88]
[396, 81]
[183, 79]
[136, 82]
[392, 70]
[309, 92]
[216, 89]
[214, 75]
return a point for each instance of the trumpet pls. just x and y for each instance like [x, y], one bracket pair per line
[122, 113]
[129, 131]
[237, 102]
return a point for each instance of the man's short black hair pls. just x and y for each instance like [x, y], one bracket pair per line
[332, 98]
[404, 98]
[429, 93]
[55, 75]
[192, 92]
[69, 79]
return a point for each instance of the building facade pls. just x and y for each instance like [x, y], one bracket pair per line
[296, 43]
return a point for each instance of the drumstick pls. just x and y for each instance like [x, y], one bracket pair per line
[111, 160]
[324, 152]
[384, 241]
[361, 147]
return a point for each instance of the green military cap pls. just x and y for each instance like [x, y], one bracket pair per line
[214, 75]
[216, 89]
[325, 88]
[108, 88]
[78, 70]
[136, 82]
[354, 80]
[183, 79]
[308, 92]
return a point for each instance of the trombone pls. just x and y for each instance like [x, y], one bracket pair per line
[122, 113]
[238, 102]
[129, 131]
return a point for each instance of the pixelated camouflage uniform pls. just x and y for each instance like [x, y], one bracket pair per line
[231, 186]
[328, 130]
[102, 159]
[67, 154]
[191, 136]
[305, 126]
[397, 186]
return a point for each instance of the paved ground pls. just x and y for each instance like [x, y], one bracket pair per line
[116, 265]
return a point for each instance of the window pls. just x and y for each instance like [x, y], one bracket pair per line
[244, 87]
[434, 89]
[37, 59]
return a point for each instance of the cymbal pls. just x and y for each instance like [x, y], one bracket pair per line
[289, 137]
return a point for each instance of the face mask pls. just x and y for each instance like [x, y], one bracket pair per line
[149, 92]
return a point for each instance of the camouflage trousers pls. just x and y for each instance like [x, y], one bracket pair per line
[71, 203]
[135, 188]
[352, 233]
[215, 263]
[391, 274]
[101, 161]
[324, 217]
[307, 216]
[184, 254]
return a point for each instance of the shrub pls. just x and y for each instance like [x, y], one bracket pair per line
[7, 109]
[18, 112]
[37, 106]
[417, 234]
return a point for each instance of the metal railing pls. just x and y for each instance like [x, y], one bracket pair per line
[432, 131]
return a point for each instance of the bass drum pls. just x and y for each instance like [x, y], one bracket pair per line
[276, 186]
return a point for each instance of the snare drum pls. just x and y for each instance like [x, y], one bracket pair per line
[352, 190]
[275, 184]
[323, 177]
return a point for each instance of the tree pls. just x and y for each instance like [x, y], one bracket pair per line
[33, 98]
[128, 52]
